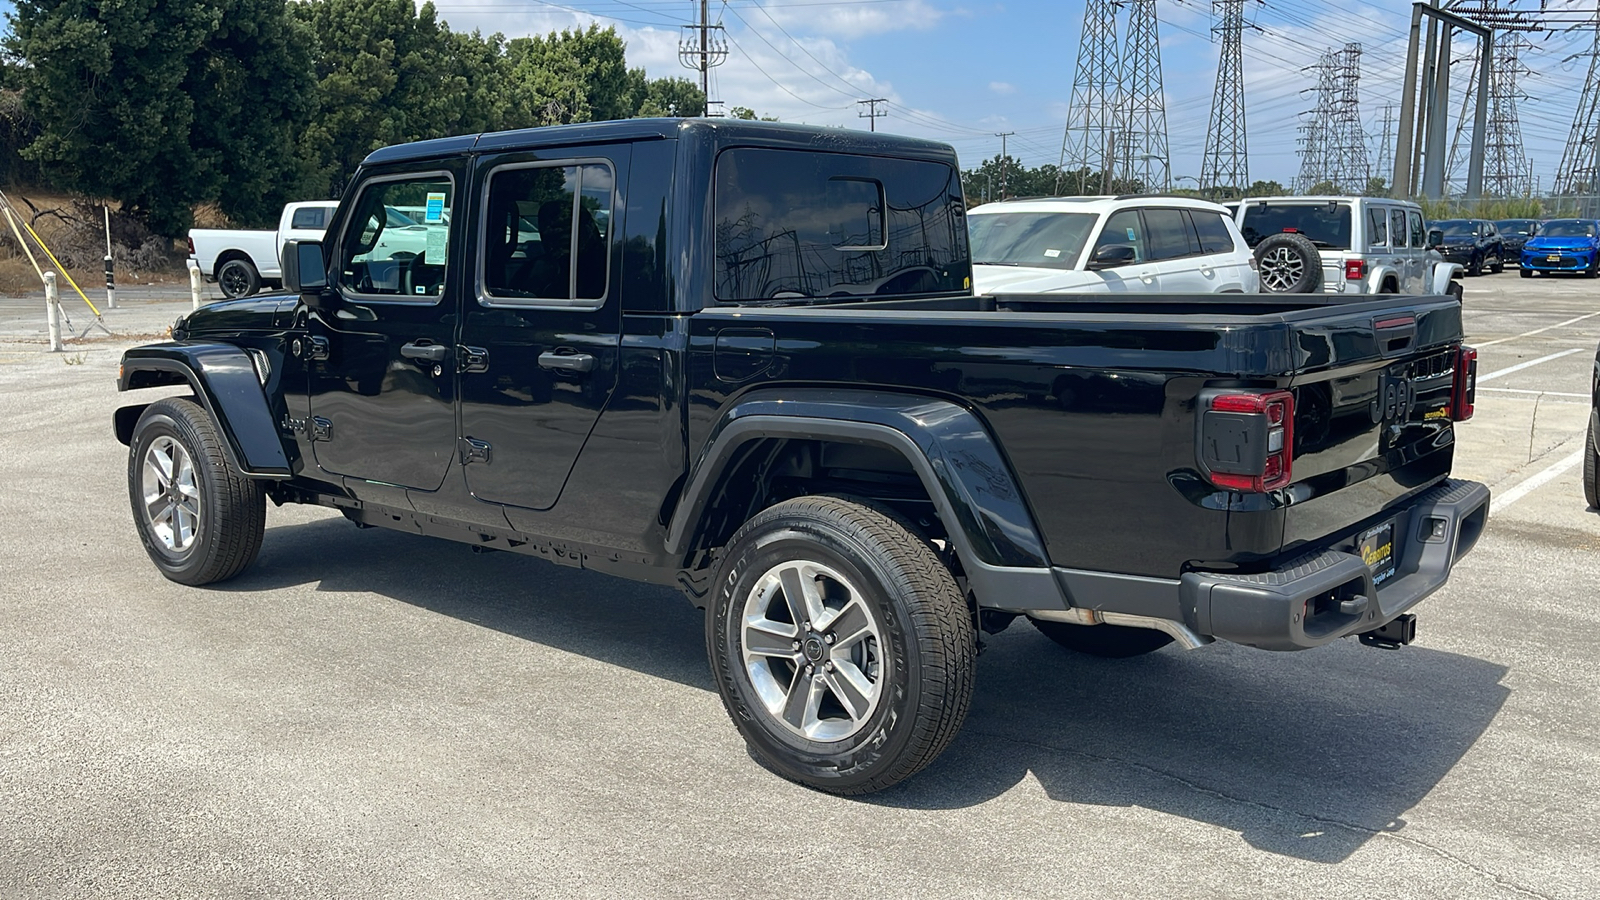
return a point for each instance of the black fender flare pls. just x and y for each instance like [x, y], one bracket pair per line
[225, 381]
[957, 460]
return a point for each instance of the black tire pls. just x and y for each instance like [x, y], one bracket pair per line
[1289, 264]
[1594, 267]
[1591, 461]
[225, 512]
[238, 278]
[1499, 264]
[1475, 266]
[918, 662]
[1526, 273]
[1389, 287]
[1106, 641]
[1455, 290]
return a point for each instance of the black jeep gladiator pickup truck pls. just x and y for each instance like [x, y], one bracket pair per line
[744, 359]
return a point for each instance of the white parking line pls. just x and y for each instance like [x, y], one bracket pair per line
[1540, 393]
[1536, 331]
[1525, 365]
[1534, 482]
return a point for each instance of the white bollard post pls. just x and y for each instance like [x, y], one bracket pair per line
[195, 289]
[111, 283]
[52, 311]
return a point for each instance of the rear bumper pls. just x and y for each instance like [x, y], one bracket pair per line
[1298, 606]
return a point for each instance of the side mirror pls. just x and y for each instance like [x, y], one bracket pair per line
[1435, 239]
[305, 272]
[1110, 256]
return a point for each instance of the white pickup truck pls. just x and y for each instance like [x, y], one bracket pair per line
[241, 260]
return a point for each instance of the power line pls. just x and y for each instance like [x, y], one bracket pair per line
[871, 113]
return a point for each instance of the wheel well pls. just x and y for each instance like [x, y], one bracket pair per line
[227, 256]
[1390, 286]
[765, 471]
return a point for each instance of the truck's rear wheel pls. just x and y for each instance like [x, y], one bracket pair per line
[1109, 641]
[199, 520]
[238, 278]
[842, 647]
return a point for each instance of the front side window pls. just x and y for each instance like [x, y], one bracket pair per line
[547, 231]
[386, 253]
[1171, 236]
[1124, 228]
[801, 225]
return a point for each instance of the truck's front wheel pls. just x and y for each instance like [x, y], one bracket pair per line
[842, 647]
[238, 278]
[200, 521]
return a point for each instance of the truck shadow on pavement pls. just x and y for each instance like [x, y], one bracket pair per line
[1308, 755]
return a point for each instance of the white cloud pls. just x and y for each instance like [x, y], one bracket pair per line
[1002, 88]
[853, 20]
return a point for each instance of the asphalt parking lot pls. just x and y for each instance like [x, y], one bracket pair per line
[372, 714]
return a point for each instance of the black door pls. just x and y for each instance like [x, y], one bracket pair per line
[540, 335]
[383, 401]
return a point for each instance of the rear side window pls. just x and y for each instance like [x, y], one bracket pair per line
[1419, 237]
[1377, 226]
[796, 225]
[1397, 219]
[1170, 234]
[1212, 231]
[546, 233]
[310, 217]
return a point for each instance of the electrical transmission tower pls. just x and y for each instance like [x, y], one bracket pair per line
[1144, 113]
[1317, 137]
[1385, 164]
[1580, 161]
[1505, 165]
[1349, 167]
[702, 47]
[1225, 169]
[1093, 120]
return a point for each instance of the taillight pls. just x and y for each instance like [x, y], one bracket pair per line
[1247, 439]
[191, 246]
[1355, 269]
[1464, 391]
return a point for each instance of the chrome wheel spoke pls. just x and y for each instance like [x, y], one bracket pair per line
[849, 625]
[801, 592]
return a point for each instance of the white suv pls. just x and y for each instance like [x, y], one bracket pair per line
[1175, 245]
[1346, 245]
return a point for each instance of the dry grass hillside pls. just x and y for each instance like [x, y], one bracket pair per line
[74, 230]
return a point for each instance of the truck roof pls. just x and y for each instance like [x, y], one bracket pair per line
[718, 130]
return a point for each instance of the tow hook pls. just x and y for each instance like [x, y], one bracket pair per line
[1395, 634]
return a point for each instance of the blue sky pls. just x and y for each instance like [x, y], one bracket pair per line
[961, 70]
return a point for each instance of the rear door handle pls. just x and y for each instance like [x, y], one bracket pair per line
[425, 350]
[566, 362]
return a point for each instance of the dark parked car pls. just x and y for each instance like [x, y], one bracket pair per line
[743, 359]
[1564, 245]
[1474, 243]
[1515, 232]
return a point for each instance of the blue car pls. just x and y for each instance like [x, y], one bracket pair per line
[1563, 245]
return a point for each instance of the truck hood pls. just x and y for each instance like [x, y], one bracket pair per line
[259, 313]
[1033, 280]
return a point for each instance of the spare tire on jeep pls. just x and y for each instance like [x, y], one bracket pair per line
[1289, 264]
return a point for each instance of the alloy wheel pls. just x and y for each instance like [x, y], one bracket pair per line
[1281, 269]
[171, 493]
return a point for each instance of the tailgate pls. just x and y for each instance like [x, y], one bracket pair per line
[1372, 417]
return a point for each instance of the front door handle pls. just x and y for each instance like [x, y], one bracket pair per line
[566, 362]
[427, 351]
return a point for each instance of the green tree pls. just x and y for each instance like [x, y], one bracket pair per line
[161, 103]
[1265, 189]
[670, 97]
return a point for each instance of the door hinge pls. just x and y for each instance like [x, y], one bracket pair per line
[471, 359]
[474, 450]
[321, 429]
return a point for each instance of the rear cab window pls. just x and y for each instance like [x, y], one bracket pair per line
[796, 226]
[310, 217]
[1325, 224]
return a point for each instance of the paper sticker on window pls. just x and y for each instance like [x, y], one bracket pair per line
[1052, 253]
[436, 245]
[1131, 235]
[435, 213]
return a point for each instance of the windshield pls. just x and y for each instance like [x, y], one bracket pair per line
[1050, 240]
[394, 218]
[1519, 227]
[1326, 224]
[1567, 228]
[1456, 227]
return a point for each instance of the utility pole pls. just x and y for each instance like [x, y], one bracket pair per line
[1226, 164]
[1002, 135]
[1093, 112]
[701, 48]
[871, 113]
